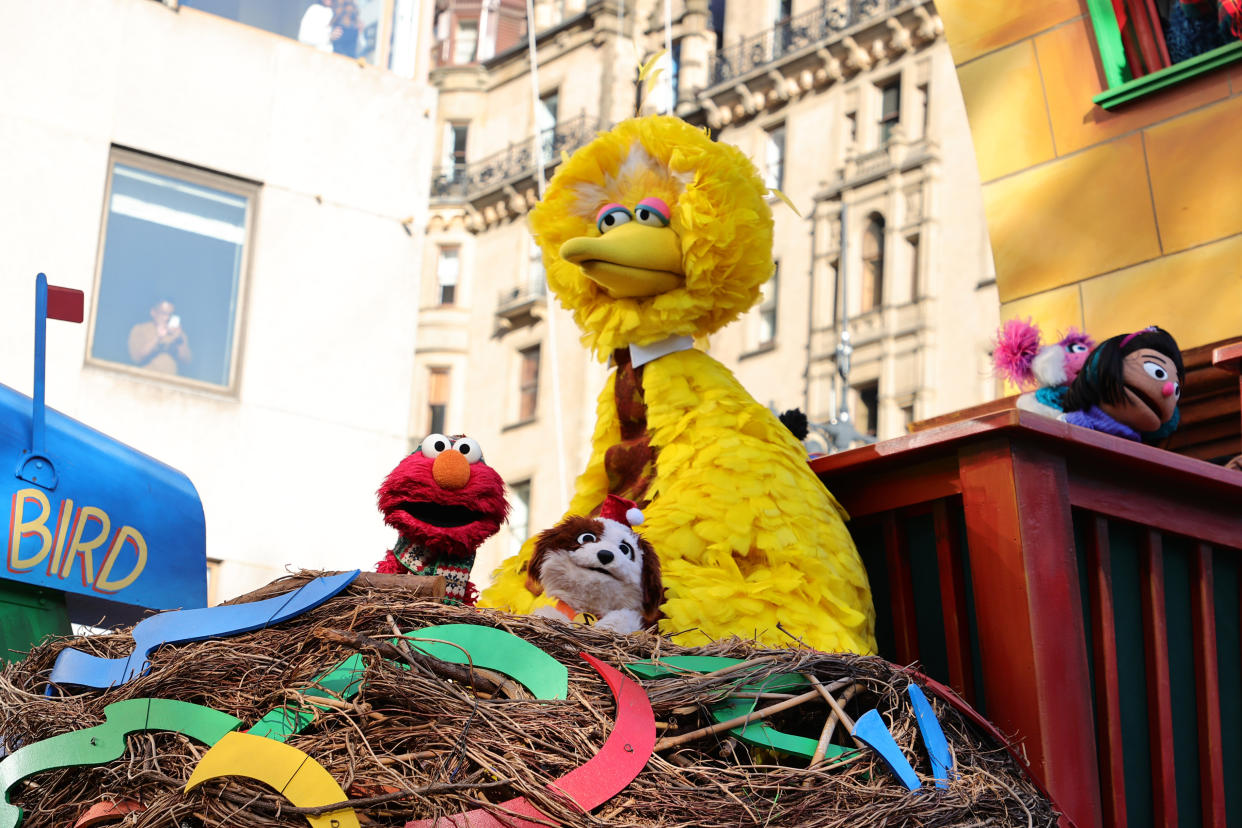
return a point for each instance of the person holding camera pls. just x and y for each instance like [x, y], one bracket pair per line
[161, 344]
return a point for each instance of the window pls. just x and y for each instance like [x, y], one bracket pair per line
[455, 149]
[774, 157]
[890, 109]
[674, 77]
[1145, 47]
[528, 383]
[868, 416]
[213, 581]
[782, 10]
[767, 309]
[171, 270]
[447, 270]
[871, 294]
[851, 130]
[663, 95]
[466, 41]
[519, 515]
[912, 249]
[924, 101]
[545, 120]
[907, 416]
[534, 272]
[355, 23]
[437, 400]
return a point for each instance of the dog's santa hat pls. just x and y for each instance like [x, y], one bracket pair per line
[621, 510]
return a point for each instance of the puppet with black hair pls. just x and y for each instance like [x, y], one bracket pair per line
[1129, 387]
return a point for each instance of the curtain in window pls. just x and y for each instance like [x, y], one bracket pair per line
[1142, 35]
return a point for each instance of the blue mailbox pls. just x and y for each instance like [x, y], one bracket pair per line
[86, 514]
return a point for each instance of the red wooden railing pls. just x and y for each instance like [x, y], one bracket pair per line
[1065, 582]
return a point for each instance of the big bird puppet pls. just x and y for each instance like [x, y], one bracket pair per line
[652, 235]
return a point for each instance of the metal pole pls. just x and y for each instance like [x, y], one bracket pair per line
[558, 426]
[40, 357]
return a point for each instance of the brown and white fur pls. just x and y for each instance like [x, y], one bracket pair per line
[600, 567]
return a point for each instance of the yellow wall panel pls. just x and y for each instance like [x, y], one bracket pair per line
[1071, 219]
[1196, 169]
[976, 27]
[1072, 76]
[1054, 311]
[1195, 295]
[1008, 116]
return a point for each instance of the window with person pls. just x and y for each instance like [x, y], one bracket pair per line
[171, 270]
[346, 27]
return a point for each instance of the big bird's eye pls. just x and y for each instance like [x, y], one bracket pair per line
[652, 212]
[433, 444]
[470, 448]
[585, 538]
[1156, 371]
[610, 216]
[1077, 348]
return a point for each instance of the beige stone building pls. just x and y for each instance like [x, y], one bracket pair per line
[851, 108]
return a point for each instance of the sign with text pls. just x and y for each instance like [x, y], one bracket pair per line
[108, 522]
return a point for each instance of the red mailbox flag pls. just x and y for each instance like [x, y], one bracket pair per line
[65, 303]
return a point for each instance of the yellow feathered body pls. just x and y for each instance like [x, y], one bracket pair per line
[747, 535]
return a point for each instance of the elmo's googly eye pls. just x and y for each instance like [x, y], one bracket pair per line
[471, 449]
[652, 212]
[433, 444]
[610, 216]
[585, 538]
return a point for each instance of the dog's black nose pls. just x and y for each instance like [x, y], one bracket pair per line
[604, 556]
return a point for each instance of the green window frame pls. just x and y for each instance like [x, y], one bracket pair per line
[1122, 88]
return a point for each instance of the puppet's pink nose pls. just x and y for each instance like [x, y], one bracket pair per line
[1168, 389]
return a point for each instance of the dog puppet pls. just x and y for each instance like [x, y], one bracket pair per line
[598, 568]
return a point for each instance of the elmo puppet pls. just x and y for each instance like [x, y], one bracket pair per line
[444, 501]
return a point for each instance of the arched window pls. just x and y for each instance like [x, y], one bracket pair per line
[872, 292]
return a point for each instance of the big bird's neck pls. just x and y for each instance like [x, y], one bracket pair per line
[640, 355]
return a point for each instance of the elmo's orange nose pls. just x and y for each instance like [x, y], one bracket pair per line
[451, 469]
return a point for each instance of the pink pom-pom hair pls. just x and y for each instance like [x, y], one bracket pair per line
[1017, 345]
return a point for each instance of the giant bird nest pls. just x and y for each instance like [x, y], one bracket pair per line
[414, 744]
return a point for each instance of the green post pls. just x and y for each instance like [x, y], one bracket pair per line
[27, 615]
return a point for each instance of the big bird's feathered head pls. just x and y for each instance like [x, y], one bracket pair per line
[653, 230]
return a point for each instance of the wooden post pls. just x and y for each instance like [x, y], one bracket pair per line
[1029, 611]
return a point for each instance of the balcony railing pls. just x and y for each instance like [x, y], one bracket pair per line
[796, 33]
[462, 182]
[520, 296]
[1078, 589]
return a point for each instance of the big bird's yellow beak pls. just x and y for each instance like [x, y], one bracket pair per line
[629, 261]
